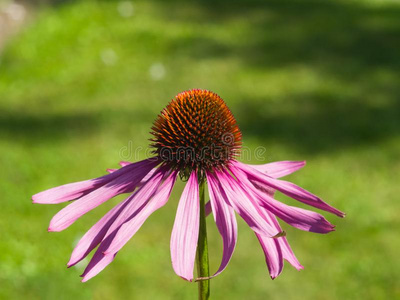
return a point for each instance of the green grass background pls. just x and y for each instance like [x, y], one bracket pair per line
[312, 80]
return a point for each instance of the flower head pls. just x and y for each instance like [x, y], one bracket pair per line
[196, 131]
[197, 137]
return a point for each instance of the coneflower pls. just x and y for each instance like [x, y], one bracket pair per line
[197, 138]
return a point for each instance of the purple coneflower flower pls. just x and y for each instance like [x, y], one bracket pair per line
[196, 137]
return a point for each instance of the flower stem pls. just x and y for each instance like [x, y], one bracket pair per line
[202, 249]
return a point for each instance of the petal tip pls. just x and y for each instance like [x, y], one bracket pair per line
[187, 279]
[72, 262]
[35, 199]
[280, 234]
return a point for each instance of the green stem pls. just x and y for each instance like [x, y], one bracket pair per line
[202, 249]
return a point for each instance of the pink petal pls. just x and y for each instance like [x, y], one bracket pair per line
[137, 201]
[129, 228]
[273, 254]
[68, 215]
[280, 168]
[244, 205]
[283, 243]
[148, 176]
[143, 181]
[271, 247]
[75, 190]
[96, 234]
[263, 187]
[297, 217]
[133, 205]
[186, 230]
[225, 219]
[288, 189]
[288, 253]
[98, 261]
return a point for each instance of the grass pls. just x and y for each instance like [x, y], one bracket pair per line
[81, 85]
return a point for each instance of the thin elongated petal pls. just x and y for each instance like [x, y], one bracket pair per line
[244, 205]
[272, 247]
[75, 190]
[68, 215]
[124, 163]
[288, 254]
[99, 261]
[147, 177]
[288, 189]
[133, 206]
[225, 219]
[129, 228]
[143, 181]
[297, 217]
[273, 254]
[136, 202]
[186, 230]
[92, 238]
[263, 187]
[287, 251]
[280, 168]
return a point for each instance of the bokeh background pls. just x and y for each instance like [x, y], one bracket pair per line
[82, 81]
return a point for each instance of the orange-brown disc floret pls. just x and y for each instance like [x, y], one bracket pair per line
[196, 131]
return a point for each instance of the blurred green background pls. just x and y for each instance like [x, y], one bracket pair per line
[82, 81]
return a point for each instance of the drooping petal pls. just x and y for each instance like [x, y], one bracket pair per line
[288, 253]
[263, 187]
[273, 254]
[133, 206]
[75, 190]
[68, 215]
[147, 177]
[225, 219]
[244, 205]
[99, 261]
[143, 181]
[279, 168]
[297, 217]
[137, 201]
[129, 228]
[92, 238]
[288, 189]
[186, 230]
[272, 247]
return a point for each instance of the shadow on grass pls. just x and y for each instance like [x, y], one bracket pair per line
[344, 39]
[319, 123]
[353, 44]
[26, 126]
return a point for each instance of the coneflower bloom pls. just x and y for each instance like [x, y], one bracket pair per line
[197, 138]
